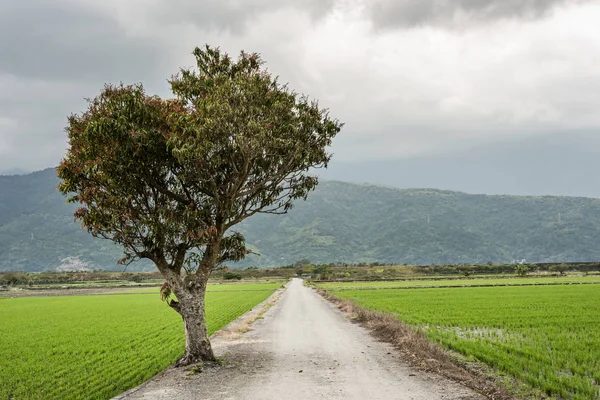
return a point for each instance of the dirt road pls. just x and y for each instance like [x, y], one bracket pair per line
[304, 348]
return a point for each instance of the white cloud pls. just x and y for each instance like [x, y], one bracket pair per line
[522, 68]
[35, 114]
[411, 91]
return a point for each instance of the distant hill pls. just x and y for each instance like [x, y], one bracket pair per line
[340, 222]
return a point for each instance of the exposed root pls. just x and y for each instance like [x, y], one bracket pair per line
[418, 351]
[188, 360]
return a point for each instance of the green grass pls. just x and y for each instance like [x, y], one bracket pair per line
[95, 347]
[500, 281]
[546, 336]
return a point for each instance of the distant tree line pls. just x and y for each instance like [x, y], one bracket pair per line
[330, 271]
[46, 278]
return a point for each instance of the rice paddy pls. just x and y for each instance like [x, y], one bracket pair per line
[545, 336]
[95, 347]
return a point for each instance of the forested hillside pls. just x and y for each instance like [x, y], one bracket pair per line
[340, 222]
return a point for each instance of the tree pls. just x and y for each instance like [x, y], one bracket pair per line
[560, 268]
[522, 269]
[168, 179]
[322, 271]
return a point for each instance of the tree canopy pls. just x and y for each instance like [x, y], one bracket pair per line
[162, 177]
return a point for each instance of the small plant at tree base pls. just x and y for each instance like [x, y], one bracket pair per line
[196, 369]
[168, 179]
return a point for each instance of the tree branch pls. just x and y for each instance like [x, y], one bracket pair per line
[174, 304]
[167, 192]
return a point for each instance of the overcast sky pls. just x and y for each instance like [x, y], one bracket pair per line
[411, 79]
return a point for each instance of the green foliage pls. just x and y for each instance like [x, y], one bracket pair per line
[14, 278]
[560, 268]
[80, 278]
[521, 269]
[165, 293]
[545, 336]
[95, 347]
[322, 272]
[166, 179]
[232, 275]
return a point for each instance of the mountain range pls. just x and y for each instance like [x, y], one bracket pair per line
[340, 222]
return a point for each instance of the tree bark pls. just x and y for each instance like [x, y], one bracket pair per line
[190, 291]
[197, 343]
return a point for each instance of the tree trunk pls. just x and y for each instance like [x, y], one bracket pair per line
[197, 342]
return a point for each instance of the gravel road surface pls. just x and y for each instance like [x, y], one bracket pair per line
[303, 348]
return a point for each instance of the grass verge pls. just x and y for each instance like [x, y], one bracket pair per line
[244, 324]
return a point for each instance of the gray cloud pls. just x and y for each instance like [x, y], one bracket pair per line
[458, 13]
[230, 15]
[35, 139]
[59, 41]
[55, 54]
[407, 92]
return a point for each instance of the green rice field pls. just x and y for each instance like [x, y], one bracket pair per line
[461, 282]
[545, 336]
[95, 347]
